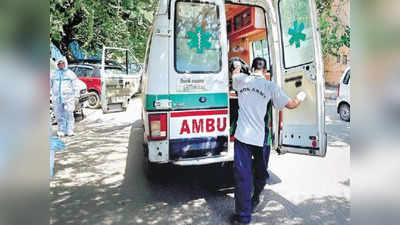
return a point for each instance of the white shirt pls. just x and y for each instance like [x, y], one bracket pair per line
[254, 93]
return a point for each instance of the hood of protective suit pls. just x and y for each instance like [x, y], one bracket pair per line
[62, 60]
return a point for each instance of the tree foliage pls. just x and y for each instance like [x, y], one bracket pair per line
[335, 33]
[94, 23]
[125, 23]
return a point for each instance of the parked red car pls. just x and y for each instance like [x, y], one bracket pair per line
[89, 73]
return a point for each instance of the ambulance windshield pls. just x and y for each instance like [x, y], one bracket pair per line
[197, 38]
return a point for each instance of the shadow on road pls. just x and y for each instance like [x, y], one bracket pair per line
[103, 181]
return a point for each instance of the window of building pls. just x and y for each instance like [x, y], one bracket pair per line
[344, 59]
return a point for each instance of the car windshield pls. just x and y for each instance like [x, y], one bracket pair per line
[114, 70]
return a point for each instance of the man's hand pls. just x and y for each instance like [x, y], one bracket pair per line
[296, 102]
[237, 70]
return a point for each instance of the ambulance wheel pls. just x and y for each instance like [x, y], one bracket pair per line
[152, 170]
[230, 165]
[93, 100]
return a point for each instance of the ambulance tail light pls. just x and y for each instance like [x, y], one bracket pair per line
[338, 89]
[158, 126]
[280, 120]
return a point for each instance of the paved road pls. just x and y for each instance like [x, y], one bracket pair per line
[101, 179]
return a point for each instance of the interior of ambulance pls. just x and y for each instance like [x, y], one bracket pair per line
[247, 36]
[199, 49]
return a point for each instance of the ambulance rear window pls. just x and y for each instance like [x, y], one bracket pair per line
[297, 36]
[197, 38]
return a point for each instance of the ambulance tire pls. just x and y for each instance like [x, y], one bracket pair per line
[222, 177]
[229, 170]
[152, 170]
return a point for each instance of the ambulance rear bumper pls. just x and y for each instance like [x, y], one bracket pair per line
[224, 157]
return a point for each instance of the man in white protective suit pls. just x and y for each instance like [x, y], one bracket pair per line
[63, 84]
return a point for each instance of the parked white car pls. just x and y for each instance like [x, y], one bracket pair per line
[343, 96]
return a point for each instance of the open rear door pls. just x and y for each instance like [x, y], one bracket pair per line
[303, 129]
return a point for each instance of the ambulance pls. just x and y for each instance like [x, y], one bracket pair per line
[188, 103]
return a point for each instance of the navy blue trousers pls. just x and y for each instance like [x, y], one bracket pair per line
[244, 178]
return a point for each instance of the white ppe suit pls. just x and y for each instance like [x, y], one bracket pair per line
[63, 84]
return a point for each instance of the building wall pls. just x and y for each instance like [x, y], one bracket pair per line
[335, 66]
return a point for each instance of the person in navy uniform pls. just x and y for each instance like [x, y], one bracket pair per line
[254, 92]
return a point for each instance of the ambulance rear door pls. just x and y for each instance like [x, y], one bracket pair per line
[198, 73]
[302, 130]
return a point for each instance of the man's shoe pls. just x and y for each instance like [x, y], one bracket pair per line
[235, 220]
[60, 134]
[71, 134]
[255, 201]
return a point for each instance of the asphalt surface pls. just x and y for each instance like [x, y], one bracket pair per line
[101, 178]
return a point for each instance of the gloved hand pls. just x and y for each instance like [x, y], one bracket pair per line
[70, 105]
[301, 96]
[56, 144]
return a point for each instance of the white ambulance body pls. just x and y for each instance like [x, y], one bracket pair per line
[187, 105]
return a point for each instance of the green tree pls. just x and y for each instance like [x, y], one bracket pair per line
[334, 32]
[94, 23]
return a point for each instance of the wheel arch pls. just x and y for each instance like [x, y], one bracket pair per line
[94, 90]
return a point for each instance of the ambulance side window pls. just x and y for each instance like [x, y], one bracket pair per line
[197, 38]
[147, 56]
[297, 39]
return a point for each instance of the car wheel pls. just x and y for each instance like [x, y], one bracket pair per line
[93, 100]
[344, 112]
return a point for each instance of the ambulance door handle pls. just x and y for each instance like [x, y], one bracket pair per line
[158, 33]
